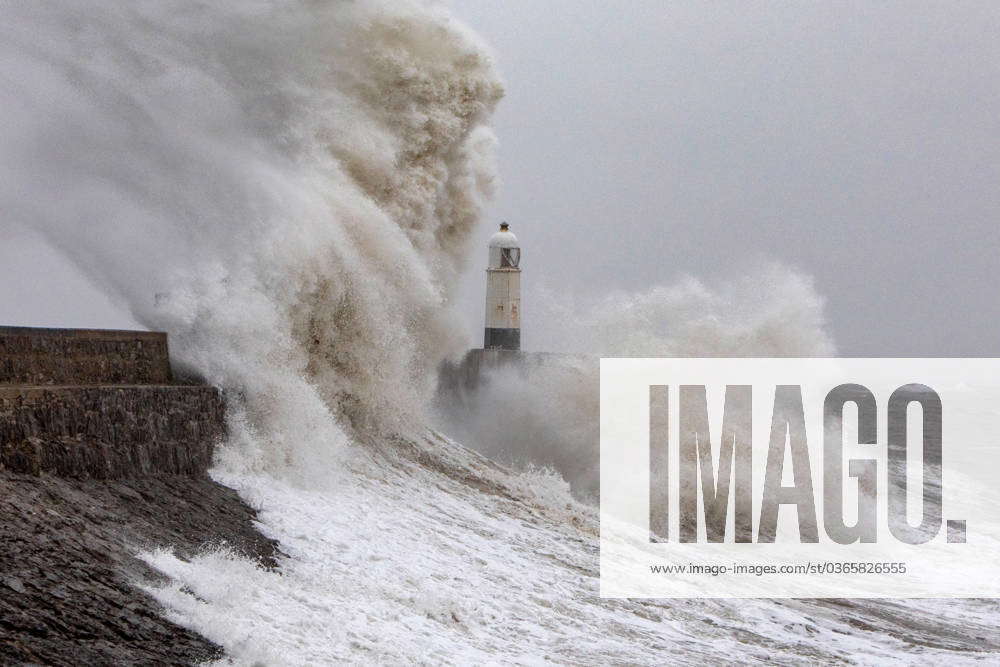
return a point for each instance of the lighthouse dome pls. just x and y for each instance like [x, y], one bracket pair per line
[505, 253]
[503, 240]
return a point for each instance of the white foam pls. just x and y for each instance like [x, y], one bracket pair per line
[425, 567]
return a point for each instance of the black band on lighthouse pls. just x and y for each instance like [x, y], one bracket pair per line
[504, 339]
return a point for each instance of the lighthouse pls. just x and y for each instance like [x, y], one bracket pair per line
[503, 292]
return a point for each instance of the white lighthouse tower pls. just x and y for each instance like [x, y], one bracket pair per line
[503, 292]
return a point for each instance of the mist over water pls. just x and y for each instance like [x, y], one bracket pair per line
[289, 188]
[547, 417]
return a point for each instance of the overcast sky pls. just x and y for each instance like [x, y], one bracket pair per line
[856, 141]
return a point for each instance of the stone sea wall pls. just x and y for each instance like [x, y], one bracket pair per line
[30, 356]
[103, 455]
[110, 432]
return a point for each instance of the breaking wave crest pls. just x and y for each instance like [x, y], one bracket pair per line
[288, 188]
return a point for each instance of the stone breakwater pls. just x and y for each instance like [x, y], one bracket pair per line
[109, 432]
[31, 356]
[103, 455]
[101, 404]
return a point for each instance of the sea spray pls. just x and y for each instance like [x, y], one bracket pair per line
[770, 311]
[288, 188]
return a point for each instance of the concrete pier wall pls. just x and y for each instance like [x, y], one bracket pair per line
[101, 404]
[457, 381]
[466, 374]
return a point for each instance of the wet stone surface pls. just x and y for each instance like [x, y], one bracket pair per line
[68, 570]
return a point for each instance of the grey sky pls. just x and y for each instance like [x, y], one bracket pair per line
[856, 141]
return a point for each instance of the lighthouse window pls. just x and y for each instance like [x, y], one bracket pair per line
[509, 257]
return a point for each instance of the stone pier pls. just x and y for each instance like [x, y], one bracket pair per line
[101, 404]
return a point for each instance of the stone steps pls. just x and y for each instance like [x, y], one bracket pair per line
[100, 404]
